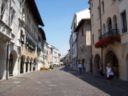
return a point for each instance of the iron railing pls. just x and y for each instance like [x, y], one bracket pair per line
[112, 32]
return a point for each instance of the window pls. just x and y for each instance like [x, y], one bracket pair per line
[103, 7]
[3, 7]
[12, 14]
[21, 36]
[124, 21]
[92, 19]
[92, 38]
[115, 21]
[99, 33]
[104, 28]
[109, 24]
[98, 11]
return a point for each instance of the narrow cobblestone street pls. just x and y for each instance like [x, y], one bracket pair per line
[60, 82]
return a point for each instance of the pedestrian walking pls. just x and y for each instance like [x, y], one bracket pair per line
[109, 73]
[80, 67]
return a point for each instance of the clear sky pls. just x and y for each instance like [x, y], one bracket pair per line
[57, 16]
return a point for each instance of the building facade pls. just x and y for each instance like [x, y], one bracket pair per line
[29, 36]
[18, 37]
[73, 51]
[45, 55]
[123, 12]
[55, 56]
[49, 55]
[73, 38]
[5, 37]
[109, 28]
[40, 49]
[83, 31]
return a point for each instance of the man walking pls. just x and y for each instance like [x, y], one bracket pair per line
[80, 67]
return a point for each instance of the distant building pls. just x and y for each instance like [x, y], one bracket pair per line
[73, 38]
[83, 31]
[55, 56]
[66, 60]
[45, 55]
[51, 55]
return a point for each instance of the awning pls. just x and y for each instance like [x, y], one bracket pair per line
[105, 41]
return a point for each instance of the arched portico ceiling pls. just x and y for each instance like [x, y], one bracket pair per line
[111, 57]
[14, 54]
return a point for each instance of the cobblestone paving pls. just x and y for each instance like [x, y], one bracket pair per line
[59, 82]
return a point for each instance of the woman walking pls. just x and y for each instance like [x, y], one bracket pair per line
[109, 72]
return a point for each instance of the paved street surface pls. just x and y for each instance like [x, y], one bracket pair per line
[61, 82]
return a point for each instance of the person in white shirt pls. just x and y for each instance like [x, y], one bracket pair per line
[80, 67]
[109, 72]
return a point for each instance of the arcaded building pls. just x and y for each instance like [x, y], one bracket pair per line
[109, 39]
[19, 37]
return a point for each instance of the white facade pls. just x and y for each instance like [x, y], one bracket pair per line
[84, 14]
[55, 56]
[16, 17]
[9, 12]
[45, 56]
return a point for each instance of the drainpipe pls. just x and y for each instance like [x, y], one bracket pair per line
[76, 41]
[101, 63]
[91, 60]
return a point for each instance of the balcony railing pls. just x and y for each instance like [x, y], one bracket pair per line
[5, 30]
[112, 32]
[108, 37]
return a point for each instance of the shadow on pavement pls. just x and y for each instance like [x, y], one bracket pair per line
[116, 88]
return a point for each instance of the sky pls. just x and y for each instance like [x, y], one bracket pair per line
[57, 16]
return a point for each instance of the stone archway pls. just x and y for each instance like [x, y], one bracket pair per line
[12, 60]
[31, 61]
[27, 64]
[96, 63]
[112, 59]
[22, 64]
[35, 64]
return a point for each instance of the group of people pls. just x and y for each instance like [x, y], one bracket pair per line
[109, 70]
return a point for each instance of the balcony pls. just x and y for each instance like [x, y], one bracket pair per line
[108, 38]
[5, 31]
